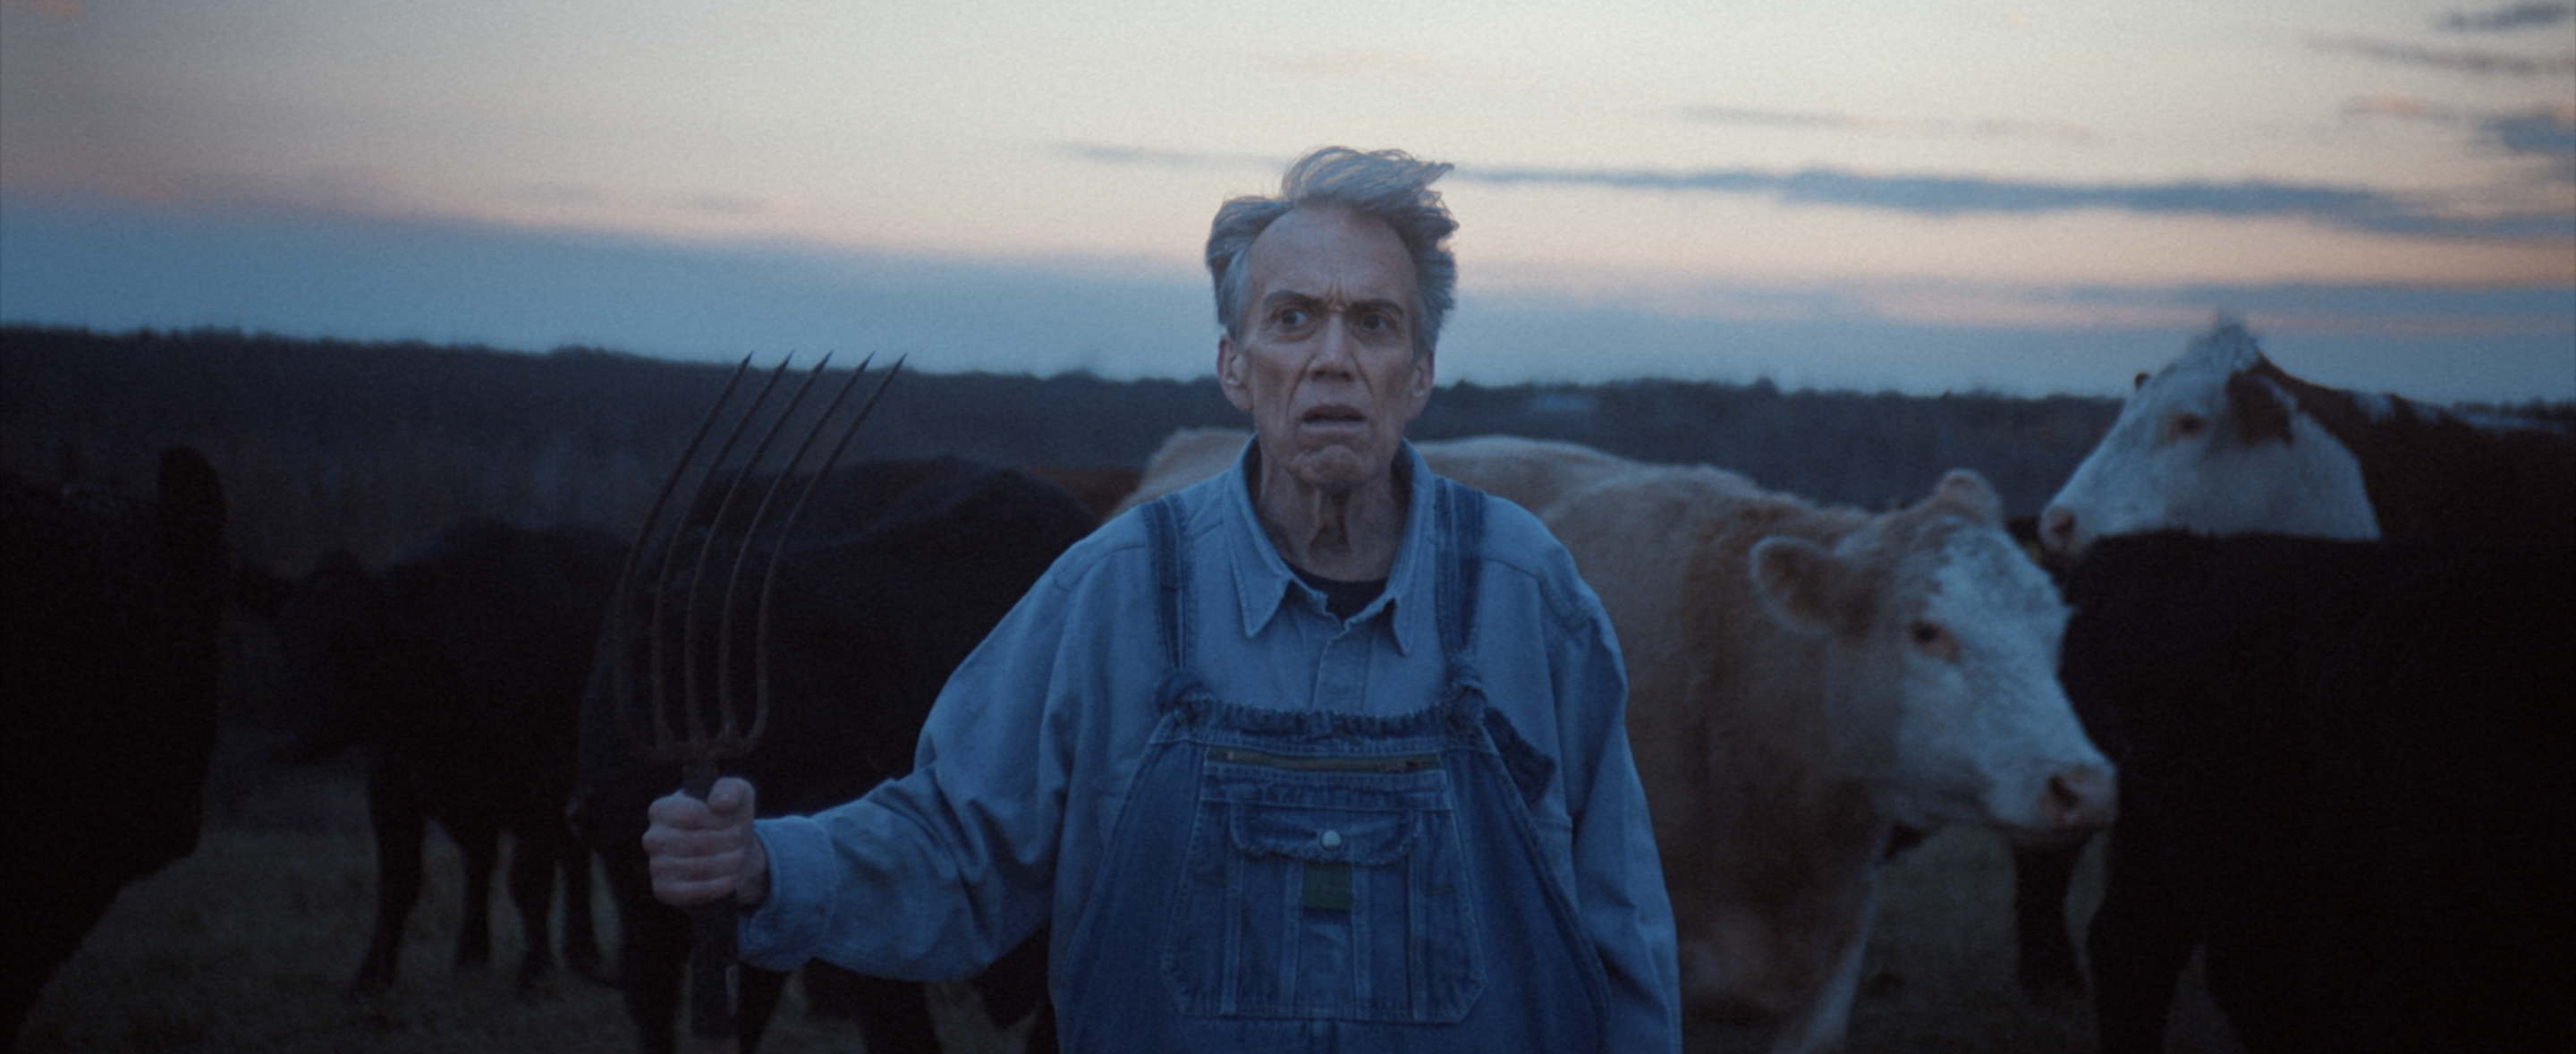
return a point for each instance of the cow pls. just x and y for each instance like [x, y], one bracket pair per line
[457, 674]
[1803, 681]
[895, 571]
[111, 616]
[1185, 457]
[1531, 473]
[1101, 490]
[2342, 778]
[2221, 441]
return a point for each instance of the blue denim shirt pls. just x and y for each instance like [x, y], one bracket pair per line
[1032, 745]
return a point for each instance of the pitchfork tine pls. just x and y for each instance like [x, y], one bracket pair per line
[725, 737]
[692, 711]
[619, 686]
[665, 743]
[769, 578]
[695, 746]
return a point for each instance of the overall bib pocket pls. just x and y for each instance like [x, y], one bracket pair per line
[1330, 887]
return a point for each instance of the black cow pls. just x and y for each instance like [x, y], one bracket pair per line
[2343, 776]
[895, 572]
[2044, 962]
[458, 674]
[111, 622]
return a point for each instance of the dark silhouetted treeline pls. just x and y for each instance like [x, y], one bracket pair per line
[373, 447]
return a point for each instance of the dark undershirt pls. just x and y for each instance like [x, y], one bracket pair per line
[1343, 599]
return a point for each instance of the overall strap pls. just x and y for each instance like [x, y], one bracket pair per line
[1462, 511]
[1171, 581]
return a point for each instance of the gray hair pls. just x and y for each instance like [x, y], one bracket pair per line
[1389, 186]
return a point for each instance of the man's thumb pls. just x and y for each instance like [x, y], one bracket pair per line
[729, 795]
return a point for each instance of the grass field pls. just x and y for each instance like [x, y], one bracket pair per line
[247, 945]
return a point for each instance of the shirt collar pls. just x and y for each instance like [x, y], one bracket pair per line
[1265, 584]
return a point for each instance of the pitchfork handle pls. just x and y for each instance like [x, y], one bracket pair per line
[711, 954]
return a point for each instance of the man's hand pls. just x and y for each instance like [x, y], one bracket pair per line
[698, 851]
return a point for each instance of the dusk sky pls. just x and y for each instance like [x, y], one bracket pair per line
[1920, 195]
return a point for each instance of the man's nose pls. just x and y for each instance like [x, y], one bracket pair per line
[1337, 347]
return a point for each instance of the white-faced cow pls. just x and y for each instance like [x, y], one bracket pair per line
[1803, 680]
[110, 644]
[2221, 441]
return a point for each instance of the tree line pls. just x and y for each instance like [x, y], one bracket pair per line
[372, 447]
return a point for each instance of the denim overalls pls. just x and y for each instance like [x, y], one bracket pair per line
[1327, 881]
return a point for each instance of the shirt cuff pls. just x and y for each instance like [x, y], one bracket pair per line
[788, 926]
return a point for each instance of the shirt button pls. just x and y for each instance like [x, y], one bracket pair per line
[1331, 839]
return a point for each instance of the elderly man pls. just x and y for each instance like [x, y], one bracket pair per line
[1325, 753]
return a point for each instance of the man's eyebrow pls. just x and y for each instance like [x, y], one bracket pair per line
[1293, 298]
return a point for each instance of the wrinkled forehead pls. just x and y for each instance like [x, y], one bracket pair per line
[1330, 251]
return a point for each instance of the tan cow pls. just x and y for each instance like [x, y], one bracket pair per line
[1801, 680]
[1188, 456]
[1529, 472]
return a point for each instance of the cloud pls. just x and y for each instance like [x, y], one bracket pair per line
[66, 9]
[1325, 64]
[1148, 157]
[2509, 19]
[1873, 125]
[2353, 208]
[720, 204]
[2547, 132]
[2403, 107]
[1952, 196]
[2469, 61]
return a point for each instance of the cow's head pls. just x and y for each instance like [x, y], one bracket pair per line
[2215, 443]
[335, 654]
[1943, 663]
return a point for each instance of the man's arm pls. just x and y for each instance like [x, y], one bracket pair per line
[1619, 878]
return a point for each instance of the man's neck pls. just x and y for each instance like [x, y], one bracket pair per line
[1349, 535]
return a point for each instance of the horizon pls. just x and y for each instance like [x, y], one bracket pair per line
[838, 360]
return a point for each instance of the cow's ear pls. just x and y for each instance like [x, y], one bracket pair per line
[1968, 494]
[1798, 579]
[2260, 410]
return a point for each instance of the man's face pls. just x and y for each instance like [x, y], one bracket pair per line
[1326, 366]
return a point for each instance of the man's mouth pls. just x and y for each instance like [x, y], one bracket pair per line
[1332, 415]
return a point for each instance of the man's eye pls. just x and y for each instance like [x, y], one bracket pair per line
[1291, 317]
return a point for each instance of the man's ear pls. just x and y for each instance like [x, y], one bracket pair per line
[1228, 377]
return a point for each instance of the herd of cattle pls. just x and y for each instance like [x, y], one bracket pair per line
[2303, 653]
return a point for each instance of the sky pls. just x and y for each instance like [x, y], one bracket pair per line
[2026, 196]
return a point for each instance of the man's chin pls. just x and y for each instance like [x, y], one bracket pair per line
[1335, 468]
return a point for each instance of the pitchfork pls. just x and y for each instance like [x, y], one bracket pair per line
[711, 731]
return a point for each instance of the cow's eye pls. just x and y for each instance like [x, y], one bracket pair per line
[1933, 639]
[2185, 426]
